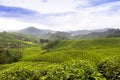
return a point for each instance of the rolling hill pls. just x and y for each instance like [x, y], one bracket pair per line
[109, 33]
[68, 58]
[85, 32]
[11, 38]
[89, 59]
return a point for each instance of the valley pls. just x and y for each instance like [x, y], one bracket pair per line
[24, 57]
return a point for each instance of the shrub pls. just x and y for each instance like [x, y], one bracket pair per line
[19, 74]
[50, 45]
[72, 70]
[110, 68]
[9, 56]
[1, 50]
[42, 41]
[75, 70]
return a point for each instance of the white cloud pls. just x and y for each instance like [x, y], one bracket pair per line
[11, 24]
[102, 16]
[83, 17]
[51, 6]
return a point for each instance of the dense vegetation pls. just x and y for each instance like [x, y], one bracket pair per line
[109, 33]
[27, 59]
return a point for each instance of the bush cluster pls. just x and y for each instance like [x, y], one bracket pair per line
[19, 74]
[9, 56]
[72, 70]
[50, 45]
[110, 68]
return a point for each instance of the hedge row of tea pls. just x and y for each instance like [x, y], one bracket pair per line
[108, 69]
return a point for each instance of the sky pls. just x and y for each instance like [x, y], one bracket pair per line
[59, 15]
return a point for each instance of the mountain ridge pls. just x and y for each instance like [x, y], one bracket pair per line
[34, 31]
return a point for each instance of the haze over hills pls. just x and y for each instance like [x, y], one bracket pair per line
[78, 34]
[33, 30]
[1, 30]
[84, 32]
[36, 31]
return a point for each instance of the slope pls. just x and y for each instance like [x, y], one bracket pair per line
[93, 50]
[92, 59]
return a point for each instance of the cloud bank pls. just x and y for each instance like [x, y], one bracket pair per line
[62, 14]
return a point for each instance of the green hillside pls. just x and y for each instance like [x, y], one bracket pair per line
[96, 49]
[11, 45]
[14, 38]
[108, 33]
[93, 59]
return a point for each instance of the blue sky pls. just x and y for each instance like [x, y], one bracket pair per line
[99, 2]
[59, 14]
[10, 11]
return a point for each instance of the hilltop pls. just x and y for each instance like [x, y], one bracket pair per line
[34, 31]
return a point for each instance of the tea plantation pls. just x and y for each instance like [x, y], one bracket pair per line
[93, 59]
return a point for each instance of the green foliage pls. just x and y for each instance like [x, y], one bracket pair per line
[72, 70]
[60, 36]
[110, 33]
[113, 33]
[42, 41]
[91, 50]
[110, 68]
[9, 56]
[1, 50]
[50, 45]
[19, 74]
[53, 62]
[15, 40]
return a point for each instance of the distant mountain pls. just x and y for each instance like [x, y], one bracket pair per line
[60, 35]
[35, 31]
[109, 33]
[84, 32]
[49, 34]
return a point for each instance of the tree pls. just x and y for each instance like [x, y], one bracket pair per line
[44, 40]
[1, 49]
[50, 45]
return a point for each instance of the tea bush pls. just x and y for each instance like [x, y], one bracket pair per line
[9, 56]
[110, 68]
[19, 74]
[72, 70]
